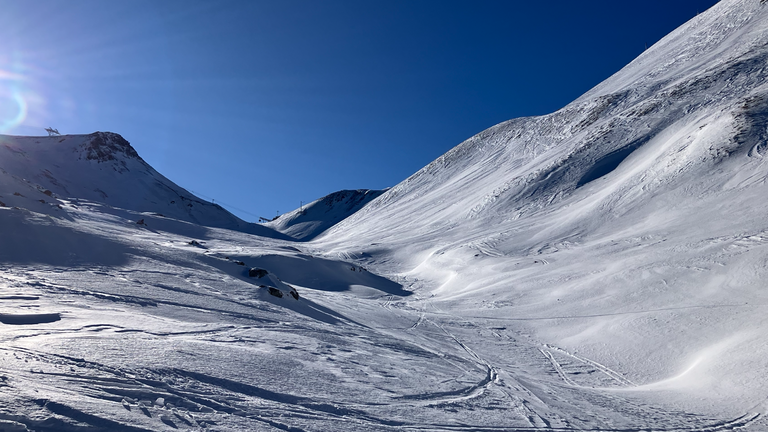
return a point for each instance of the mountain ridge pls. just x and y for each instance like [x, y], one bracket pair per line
[640, 197]
[541, 160]
[102, 167]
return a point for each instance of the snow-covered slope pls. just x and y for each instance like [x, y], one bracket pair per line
[601, 268]
[309, 221]
[628, 226]
[693, 101]
[100, 167]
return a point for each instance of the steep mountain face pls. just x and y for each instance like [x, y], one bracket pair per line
[316, 217]
[101, 167]
[690, 106]
[633, 218]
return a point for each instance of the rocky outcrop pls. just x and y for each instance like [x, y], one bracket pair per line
[257, 273]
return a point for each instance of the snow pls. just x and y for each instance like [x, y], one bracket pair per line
[103, 168]
[598, 268]
[307, 222]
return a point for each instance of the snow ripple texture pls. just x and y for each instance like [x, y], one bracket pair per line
[601, 268]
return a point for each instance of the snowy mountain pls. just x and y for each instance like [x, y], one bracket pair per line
[101, 167]
[693, 101]
[600, 268]
[628, 227]
[309, 221]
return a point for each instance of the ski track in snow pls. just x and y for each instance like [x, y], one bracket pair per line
[193, 399]
[136, 397]
[600, 268]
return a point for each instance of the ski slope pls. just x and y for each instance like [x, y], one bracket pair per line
[600, 268]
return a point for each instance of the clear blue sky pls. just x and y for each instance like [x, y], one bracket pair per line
[263, 104]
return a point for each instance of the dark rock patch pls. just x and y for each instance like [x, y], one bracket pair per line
[257, 272]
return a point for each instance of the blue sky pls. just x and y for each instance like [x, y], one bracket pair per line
[263, 104]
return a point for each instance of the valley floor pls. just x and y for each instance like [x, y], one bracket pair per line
[175, 336]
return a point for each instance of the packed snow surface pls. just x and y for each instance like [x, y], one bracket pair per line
[601, 268]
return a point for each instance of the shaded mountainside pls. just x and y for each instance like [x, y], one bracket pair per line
[101, 167]
[316, 217]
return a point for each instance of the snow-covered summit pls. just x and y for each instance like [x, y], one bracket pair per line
[99, 167]
[309, 221]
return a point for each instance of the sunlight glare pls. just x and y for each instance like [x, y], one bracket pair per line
[13, 106]
[13, 111]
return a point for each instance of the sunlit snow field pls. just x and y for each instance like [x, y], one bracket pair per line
[599, 268]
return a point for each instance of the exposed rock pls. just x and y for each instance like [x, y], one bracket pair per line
[294, 293]
[257, 272]
[103, 146]
[275, 292]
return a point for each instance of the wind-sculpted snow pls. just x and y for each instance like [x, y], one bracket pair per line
[182, 336]
[600, 268]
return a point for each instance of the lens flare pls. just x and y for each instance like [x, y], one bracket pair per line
[13, 105]
[13, 110]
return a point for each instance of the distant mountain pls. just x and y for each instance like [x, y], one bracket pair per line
[100, 167]
[316, 217]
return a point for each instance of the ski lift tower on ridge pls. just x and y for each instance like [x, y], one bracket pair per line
[52, 132]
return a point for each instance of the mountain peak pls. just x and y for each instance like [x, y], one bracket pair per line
[100, 167]
[104, 146]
